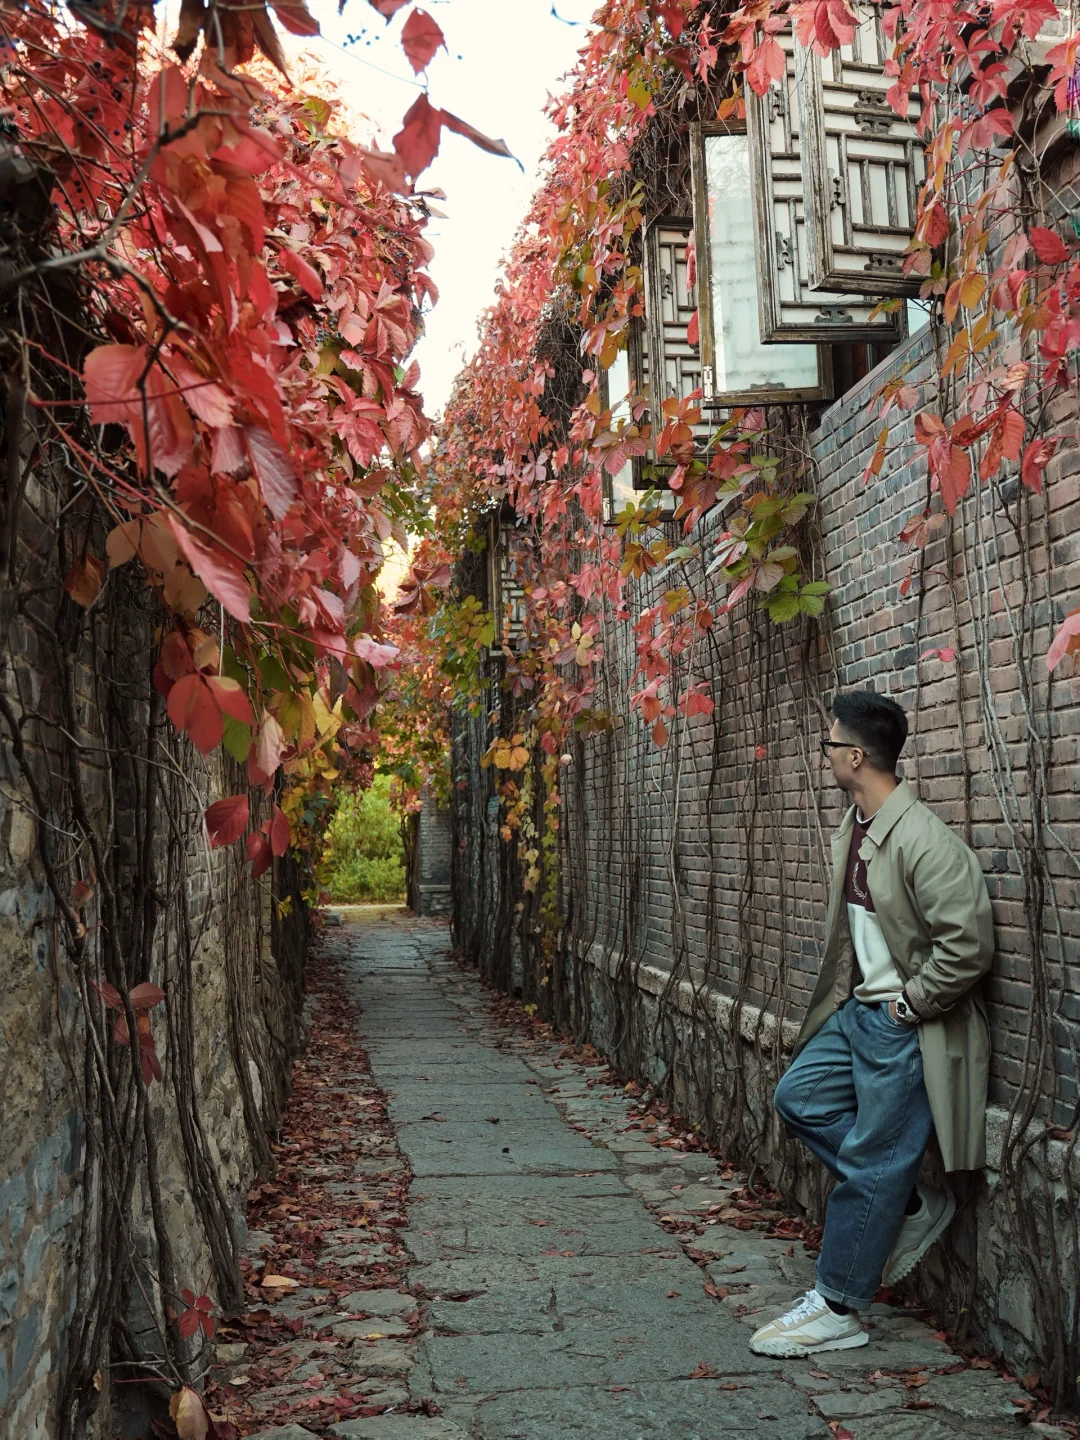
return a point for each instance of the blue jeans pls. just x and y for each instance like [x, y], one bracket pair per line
[855, 1096]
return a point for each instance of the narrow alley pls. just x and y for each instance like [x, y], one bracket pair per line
[547, 1300]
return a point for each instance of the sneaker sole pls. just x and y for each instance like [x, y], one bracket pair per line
[908, 1261]
[786, 1349]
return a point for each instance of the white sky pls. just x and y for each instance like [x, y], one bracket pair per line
[503, 60]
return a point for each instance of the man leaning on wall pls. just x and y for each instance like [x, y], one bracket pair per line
[895, 1045]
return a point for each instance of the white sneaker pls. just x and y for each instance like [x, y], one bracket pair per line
[809, 1327]
[918, 1233]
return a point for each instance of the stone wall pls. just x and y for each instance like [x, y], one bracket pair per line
[433, 857]
[96, 787]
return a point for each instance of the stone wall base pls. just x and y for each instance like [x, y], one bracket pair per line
[980, 1282]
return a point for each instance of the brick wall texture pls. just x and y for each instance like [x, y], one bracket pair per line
[707, 861]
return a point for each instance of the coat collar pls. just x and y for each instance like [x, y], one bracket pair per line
[900, 801]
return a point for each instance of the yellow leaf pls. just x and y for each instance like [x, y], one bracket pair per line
[375, 1335]
[279, 1282]
[972, 289]
[189, 1415]
[952, 301]
[122, 542]
[306, 732]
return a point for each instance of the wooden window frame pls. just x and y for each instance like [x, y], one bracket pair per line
[726, 400]
[776, 251]
[821, 187]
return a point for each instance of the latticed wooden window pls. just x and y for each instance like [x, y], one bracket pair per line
[862, 166]
[507, 597]
[790, 309]
[671, 304]
[739, 367]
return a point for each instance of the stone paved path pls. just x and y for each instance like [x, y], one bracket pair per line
[553, 1304]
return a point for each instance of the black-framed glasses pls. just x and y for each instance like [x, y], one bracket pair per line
[827, 745]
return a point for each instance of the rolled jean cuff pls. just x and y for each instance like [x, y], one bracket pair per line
[853, 1302]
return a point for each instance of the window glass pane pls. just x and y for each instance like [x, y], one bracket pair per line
[617, 382]
[742, 362]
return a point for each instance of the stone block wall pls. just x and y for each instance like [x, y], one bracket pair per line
[433, 858]
[101, 768]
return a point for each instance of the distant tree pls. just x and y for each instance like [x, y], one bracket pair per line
[364, 857]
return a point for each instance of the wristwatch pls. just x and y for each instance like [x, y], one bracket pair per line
[904, 1011]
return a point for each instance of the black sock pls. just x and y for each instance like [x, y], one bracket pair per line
[837, 1308]
[914, 1203]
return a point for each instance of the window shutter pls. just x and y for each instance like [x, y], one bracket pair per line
[738, 368]
[790, 310]
[862, 166]
[669, 308]
[507, 595]
[668, 312]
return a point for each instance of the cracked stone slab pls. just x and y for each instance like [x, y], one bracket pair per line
[541, 1309]
[378, 1302]
[590, 1348]
[975, 1395]
[398, 1427]
[285, 1432]
[678, 1410]
[480, 1272]
[847, 1404]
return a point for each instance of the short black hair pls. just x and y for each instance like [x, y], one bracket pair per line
[875, 723]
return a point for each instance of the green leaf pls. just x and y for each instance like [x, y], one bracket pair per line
[273, 674]
[816, 587]
[782, 605]
[487, 633]
[236, 738]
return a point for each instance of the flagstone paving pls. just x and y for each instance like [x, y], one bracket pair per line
[552, 1302]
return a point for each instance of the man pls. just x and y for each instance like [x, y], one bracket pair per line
[895, 1044]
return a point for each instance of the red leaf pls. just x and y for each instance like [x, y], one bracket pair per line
[461, 127]
[146, 995]
[226, 820]
[84, 580]
[946, 653]
[192, 708]
[1037, 456]
[387, 8]
[1012, 433]
[259, 853]
[222, 575]
[109, 994]
[382, 165]
[692, 330]
[1066, 641]
[279, 832]
[417, 142]
[308, 278]
[231, 698]
[295, 16]
[478, 138]
[269, 744]
[420, 38]
[109, 376]
[274, 471]
[1048, 245]
[188, 1323]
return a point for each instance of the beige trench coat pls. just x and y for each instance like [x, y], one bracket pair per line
[931, 902]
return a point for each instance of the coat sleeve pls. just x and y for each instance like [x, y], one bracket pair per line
[950, 891]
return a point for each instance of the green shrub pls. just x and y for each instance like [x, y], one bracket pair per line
[364, 858]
